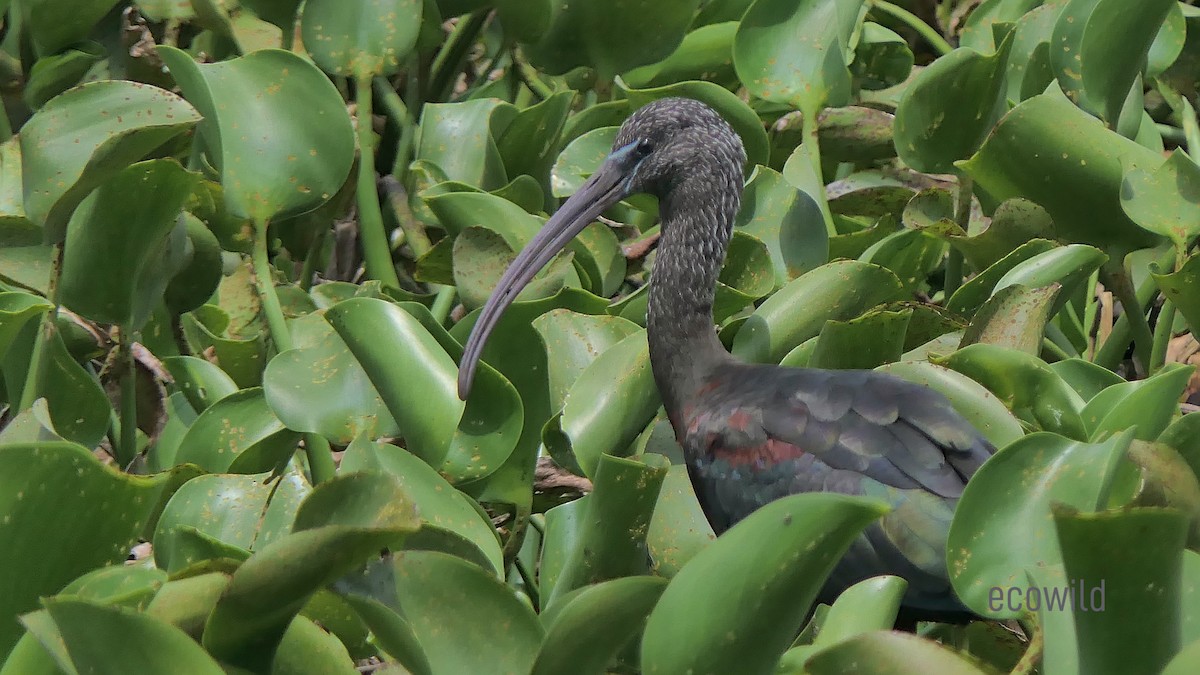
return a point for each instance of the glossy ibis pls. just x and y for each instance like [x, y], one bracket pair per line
[755, 433]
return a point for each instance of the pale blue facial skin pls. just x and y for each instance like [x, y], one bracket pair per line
[620, 156]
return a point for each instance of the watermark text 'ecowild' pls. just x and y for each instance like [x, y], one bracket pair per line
[1078, 595]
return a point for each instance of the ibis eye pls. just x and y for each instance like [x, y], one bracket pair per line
[644, 148]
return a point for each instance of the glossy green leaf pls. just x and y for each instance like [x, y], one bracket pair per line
[459, 138]
[738, 604]
[1015, 223]
[528, 143]
[868, 341]
[243, 512]
[706, 53]
[606, 407]
[98, 519]
[130, 221]
[787, 220]
[16, 309]
[579, 159]
[238, 433]
[1048, 151]
[839, 290]
[679, 530]
[342, 523]
[574, 341]
[1139, 576]
[976, 291]
[360, 40]
[611, 541]
[444, 510]
[1186, 662]
[890, 653]
[200, 381]
[78, 408]
[738, 114]
[980, 407]
[322, 388]
[912, 255]
[1027, 386]
[1003, 524]
[89, 630]
[1182, 287]
[1015, 317]
[590, 626]
[949, 108]
[202, 271]
[417, 383]
[87, 135]
[882, 58]
[502, 632]
[610, 36]
[53, 74]
[1085, 377]
[1166, 200]
[795, 52]
[1184, 436]
[1147, 405]
[870, 605]
[1099, 50]
[274, 126]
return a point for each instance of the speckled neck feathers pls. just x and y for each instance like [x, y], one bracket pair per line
[699, 190]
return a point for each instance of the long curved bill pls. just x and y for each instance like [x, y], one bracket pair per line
[605, 188]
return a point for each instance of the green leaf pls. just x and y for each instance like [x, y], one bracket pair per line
[340, 525]
[1015, 317]
[1147, 405]
[890, 653]
[202, 382]
[129, 223]
[238, 434]
[87, 135]
[502, 632]
[1182, 287]
[448, 513]
[16, 309]
[611, 541]
[320, 387]
[795, 52]
[1139, 576]
[97, 511]
[1002, 526]
[55, 73]
[787, 220]
[480, 257]
[606, 407]
[882, 58]
[971, 295]
[89, 630]
[1099, 49]
[417, 383]
[274, 126]
[706, 53]
[1053, 153]
[679, 529]
[360, 40]
[1165, 201]
[870, 340]
[950, 107]
[738, 604]
[610, 36]
[839, 290]
[240, 512]
[53, 25]
[1027, 386]
[589, 626]
[459, 138]
[574, 341]
[528, 143]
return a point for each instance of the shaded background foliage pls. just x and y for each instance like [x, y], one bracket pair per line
[242, 244]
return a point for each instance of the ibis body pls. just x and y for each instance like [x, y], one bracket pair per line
[754, 433]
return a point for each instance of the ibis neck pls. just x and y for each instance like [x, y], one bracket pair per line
[684, 349]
